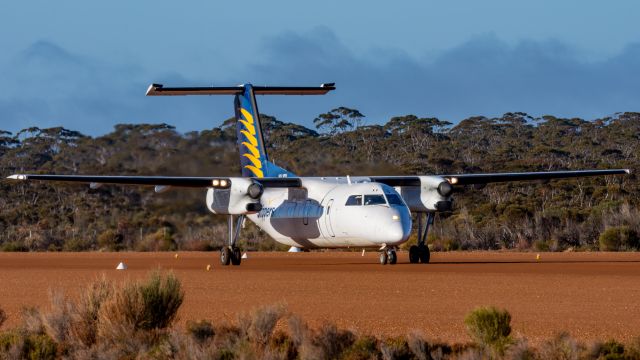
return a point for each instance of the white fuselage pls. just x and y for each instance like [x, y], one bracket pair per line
[333, 213]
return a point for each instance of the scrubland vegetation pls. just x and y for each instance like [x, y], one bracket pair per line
[137, 320]
[589, 214]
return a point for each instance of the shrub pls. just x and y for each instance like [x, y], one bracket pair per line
[632, 350]
[364, 348]
[619, 238]
[150, 305]
[201, 330]
[259, 326]
[24, 345]
[39, 347]
[57, 321]
[331, 341]
[78, 244]
[395, 348]
[490, 328]
[14, 246]
[3, 317]
[562, 346]
[84, 326]
[611, 350]
[111, 240]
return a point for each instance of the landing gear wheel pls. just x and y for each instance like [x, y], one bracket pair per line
[424, 254]
[236, 257]
[225, 256]
[393, 258]
[414, 255]
[383, 258]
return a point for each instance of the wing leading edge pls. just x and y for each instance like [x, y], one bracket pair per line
[177, 181]
[471, 179]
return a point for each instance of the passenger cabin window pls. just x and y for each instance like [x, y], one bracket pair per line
[354, 200]
[374, 200]
[394, 199]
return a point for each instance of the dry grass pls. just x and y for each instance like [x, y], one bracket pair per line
[134, 320]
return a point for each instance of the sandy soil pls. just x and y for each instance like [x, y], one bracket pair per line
[591, 295]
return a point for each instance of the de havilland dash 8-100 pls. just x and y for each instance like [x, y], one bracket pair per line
[314, 212]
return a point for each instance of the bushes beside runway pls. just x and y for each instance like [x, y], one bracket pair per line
[555, 216]
[137, 320]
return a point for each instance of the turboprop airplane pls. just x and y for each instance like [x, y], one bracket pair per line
[314, 212]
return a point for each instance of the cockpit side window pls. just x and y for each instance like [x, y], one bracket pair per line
[394, 199]
[374, 200]
[354, 200]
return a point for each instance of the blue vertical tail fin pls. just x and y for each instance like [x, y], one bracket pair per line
[253, 154]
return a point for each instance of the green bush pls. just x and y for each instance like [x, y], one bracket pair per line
[490, 328]
[162, 296]
[363, 348]
[111, 240]
[39, 347]
[14, 246]
[612, 350]
[25, 345]
[142, 306]
[619, 238]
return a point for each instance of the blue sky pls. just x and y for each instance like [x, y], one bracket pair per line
[86, 65]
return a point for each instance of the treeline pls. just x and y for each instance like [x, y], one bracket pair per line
[591, 213]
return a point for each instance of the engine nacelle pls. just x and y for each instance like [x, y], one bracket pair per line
[433, 194]
[241, 197]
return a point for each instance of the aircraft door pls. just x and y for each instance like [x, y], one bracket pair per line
[327, 218]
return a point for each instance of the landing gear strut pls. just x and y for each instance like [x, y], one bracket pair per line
[388, 255]
[420, 253]
[230, 254]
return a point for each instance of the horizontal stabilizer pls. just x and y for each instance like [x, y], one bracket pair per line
[159, 90]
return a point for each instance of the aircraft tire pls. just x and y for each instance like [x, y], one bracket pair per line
[393, 258]
[424, 254]
[225, 256]
[414, 254]
[236, 256]
[383, 258]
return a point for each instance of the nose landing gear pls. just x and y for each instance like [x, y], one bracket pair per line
[388, 255]
[420, 253]
[231, 254]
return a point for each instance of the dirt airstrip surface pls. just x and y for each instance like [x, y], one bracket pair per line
[590, 295]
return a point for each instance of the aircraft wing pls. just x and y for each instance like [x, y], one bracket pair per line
[486, 178]
[177, 181]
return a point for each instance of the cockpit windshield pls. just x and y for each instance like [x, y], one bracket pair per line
[374, 200]
[354, 200]
[394, 199]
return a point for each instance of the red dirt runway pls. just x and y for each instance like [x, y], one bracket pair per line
[591, 295]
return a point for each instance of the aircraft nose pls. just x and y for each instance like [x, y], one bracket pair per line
[399, 229]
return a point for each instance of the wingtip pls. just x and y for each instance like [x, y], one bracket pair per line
[628, 171]
[151, 90]
[17, 177]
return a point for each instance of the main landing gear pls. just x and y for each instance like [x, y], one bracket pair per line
[230, 254]
[420, 253]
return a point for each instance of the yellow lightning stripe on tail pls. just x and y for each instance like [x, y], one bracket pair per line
[247, 115]
[253, 149]
[248, 126]
[252, 139]
[257, 172]
[256, 162]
